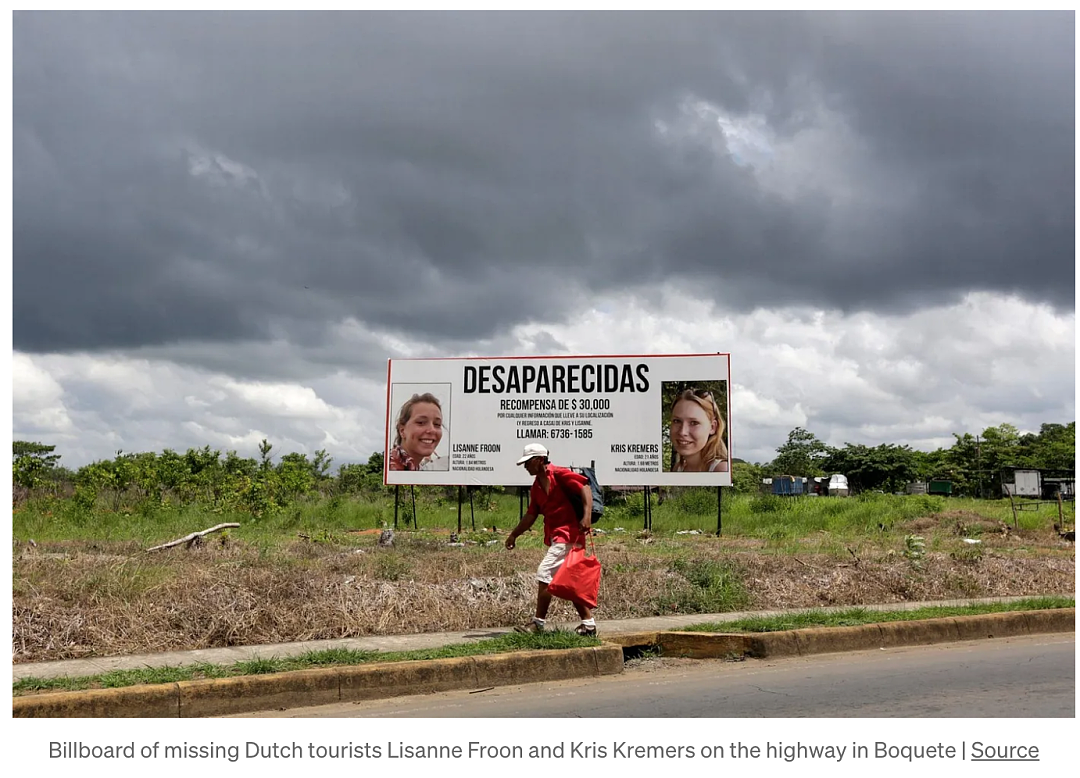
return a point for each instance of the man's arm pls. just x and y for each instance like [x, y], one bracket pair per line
[523, 526]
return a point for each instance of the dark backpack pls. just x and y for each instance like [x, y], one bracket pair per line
[574, 496]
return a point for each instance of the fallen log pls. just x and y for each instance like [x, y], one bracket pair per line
[193, 538]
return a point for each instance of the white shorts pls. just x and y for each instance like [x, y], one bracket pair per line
[552, 561]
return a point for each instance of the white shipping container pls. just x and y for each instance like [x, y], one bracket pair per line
[1026, 483]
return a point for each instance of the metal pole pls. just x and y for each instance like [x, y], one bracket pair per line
[719, 512]
[648, 508]
[397, 490]
[978, 464]
[459, 509]
[412, 489]
[472, 511]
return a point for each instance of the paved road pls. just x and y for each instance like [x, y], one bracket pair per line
[1015, 677]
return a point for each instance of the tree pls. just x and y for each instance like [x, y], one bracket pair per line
[320, 466]
[746, 478]
[887, 467]
[33, 464]
[802, 455]
[350, 479]
[236, 465]
[264, 454]
[929, 464]
[295, 474]
[1054, 448]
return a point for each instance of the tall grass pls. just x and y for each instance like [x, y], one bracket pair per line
[777, 520]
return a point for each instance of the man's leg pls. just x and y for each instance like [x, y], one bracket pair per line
[550, 563]
[543, 600]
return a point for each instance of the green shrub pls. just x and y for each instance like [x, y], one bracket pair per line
[767, 503]
[632, 506]
[698, 501]
[710, 587]
[914, 550]
[391, 566]
[968, 554]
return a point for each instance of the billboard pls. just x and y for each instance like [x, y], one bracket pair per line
[640, 420]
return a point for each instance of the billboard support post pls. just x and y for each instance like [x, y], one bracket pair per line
[719, 513]
[459, 509]
[412, 490]
[397, 490]
[472, 510]
[648, 509]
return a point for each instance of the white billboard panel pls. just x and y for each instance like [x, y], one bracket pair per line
[643, 420]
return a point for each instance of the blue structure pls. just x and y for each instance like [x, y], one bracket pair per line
[787, 486]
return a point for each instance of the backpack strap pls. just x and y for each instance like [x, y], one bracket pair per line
[574, 498]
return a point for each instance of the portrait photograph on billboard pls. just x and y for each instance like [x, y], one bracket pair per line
[694, 426]
[419, 416]
[648, 420]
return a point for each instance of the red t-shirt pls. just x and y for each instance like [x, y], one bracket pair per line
[560, 520]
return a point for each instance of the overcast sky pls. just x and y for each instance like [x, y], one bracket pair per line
[224, 224]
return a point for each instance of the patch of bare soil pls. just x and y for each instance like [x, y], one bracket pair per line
[76, 600]
[651, 664]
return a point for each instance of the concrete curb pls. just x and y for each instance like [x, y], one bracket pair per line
[244, 694]
[824, 640]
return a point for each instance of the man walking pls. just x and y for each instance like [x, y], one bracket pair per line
[562, 528]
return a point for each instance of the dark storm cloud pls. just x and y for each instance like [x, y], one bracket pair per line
[200, 177]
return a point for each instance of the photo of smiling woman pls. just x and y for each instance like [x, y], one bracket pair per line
[418, 431]
[695, 428]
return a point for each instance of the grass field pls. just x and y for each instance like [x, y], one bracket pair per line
[84, 585]
[763, 517]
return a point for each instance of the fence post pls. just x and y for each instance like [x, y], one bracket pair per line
[1016, 518]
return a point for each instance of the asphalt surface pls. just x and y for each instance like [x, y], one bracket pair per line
[1021, 677]
[229, 655]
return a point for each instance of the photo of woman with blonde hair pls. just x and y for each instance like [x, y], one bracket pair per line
[696, 430]
[418, 432]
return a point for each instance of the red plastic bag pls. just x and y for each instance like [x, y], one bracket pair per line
[578, 579]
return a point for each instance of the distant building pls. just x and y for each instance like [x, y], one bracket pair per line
[1038, 484]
